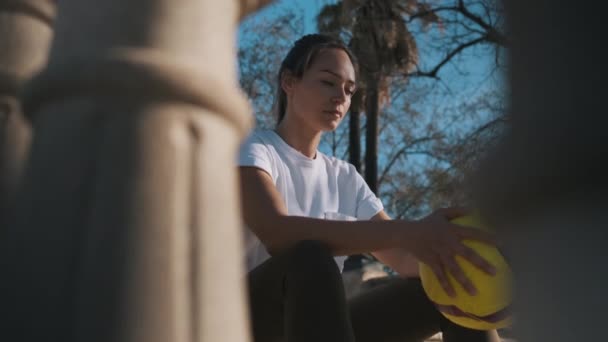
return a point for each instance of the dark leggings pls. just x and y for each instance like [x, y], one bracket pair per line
[299, 296]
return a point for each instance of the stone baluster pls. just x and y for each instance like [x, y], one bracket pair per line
[25, 36]
[127, 224]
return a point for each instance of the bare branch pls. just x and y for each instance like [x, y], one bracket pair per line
[402, 151]
[485, 126]
[429, 187]
[491, 33]
[433, 72]
[435, 10]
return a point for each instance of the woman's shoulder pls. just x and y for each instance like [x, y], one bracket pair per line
[342, 166]
[257, 150]
[258, 137]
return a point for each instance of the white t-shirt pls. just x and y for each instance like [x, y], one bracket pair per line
[309, 187]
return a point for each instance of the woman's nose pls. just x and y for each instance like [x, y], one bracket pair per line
[339, 97]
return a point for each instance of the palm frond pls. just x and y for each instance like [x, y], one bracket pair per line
[331, 20]
[382, 40]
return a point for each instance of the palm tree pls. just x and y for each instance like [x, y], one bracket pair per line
[378, 35]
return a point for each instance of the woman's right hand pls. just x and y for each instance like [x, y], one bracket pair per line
[436, 242]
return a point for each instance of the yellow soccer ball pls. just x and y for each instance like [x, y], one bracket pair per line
[490, 308]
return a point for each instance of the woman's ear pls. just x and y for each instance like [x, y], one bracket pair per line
[287, 82]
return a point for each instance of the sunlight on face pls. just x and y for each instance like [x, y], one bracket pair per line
[321, 98]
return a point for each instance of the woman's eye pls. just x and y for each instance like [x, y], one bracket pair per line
[328, 83]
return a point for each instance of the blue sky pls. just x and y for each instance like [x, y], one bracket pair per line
[310, 8]
[466, 79]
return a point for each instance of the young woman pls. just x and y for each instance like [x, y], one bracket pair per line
[289, 189]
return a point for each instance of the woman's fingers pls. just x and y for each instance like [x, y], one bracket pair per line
[450, 266]
[437, 268]
[469, 233]
[454, 269]
[474, 258]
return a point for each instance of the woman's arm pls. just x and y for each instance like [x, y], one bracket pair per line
[400, 260]
[432, 240]
[265, 214]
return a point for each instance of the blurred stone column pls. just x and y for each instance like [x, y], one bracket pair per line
[127, 225]
[546, 187]
[25, 36]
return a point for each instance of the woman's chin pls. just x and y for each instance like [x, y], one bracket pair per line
[330, 126]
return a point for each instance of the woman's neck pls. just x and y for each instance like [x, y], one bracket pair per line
[300, 137]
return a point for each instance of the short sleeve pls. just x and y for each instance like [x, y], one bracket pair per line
[368, 204]
[253, 152]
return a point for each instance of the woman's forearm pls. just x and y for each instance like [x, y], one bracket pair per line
[265, 213]
[399, 260]
[343, 237]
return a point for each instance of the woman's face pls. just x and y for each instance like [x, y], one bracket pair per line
[321, 98]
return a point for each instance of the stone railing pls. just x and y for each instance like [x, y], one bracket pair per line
[125, 225]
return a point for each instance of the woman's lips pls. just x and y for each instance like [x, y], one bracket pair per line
[335, 113]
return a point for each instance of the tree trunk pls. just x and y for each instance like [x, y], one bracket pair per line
[371, 135]
[354, 132]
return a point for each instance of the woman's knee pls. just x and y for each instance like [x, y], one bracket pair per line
[312, 274]
[311, 256]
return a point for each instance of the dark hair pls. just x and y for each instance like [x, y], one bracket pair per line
[299, 59]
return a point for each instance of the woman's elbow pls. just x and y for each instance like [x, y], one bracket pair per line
[269, 233]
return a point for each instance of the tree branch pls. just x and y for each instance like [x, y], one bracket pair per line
[433, 72]
[435, 10]
[491, 33]
[401, 151]
[480, 129]
[421, 192]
